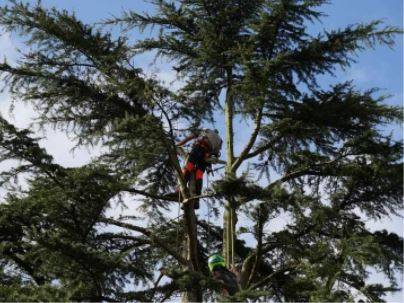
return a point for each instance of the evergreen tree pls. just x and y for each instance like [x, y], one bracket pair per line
[322, 147]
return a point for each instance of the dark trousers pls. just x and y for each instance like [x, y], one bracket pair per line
[196, 165]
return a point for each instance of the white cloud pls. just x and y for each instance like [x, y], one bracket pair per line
[167, 77]
[21, 114]
[57, 143]
[358, 75]
[6, 43]
[61, 147]
[7, 46]
[362, 75]
[391, 224]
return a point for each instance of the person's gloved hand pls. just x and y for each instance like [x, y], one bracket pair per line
[212, 159]
[209, 170]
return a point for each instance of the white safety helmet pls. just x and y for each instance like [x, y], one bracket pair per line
[214, 140]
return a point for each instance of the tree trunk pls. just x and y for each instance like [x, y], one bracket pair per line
[191, 245]
[229, 216]
[229, 227]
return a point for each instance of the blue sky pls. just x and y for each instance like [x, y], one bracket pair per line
[381, 67]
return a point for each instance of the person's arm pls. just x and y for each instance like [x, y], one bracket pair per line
[236, 272]
[217, 277]
[186, 140]
[224, 292]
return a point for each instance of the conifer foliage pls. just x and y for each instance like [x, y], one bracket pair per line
[323, 150]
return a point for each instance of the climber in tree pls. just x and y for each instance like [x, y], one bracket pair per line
[221, 274]
[207, 146]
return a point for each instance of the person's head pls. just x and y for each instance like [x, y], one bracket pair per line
[216, 261]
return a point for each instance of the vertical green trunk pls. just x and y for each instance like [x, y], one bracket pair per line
[229, 227]
[229, 217]
[228, 115]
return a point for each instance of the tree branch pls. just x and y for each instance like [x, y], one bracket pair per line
[265, 280]
[251, 141]
[150, 195]
[198, 197]
[160, 242]
[148, 294]
[307, 171]
[229, 115]
[262, 148]
[258, 251]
